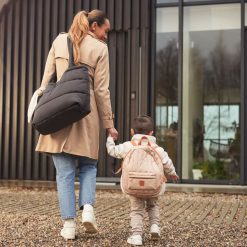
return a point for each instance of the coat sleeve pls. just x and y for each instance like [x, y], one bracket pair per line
[50, 67]
[101, 89]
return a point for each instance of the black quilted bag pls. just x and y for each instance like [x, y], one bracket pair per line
[65, 101]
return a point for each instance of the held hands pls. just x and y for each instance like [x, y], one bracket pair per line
[113, 133]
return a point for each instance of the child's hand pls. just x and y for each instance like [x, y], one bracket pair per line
[174, 178]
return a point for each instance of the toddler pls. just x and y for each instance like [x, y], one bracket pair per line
[143, 127]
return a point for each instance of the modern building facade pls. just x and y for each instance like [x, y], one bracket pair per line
[182, 62]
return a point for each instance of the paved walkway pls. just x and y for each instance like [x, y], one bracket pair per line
[31, 218]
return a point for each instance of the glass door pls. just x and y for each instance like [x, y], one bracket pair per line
[166, 83]
[211, 98]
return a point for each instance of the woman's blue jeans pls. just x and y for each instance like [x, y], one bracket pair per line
[65, 176]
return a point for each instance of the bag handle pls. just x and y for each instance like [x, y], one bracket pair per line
[144, 139]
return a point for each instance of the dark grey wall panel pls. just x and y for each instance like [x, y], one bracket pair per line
[16, 89]
[134, 72]
[62, 15]
[119, 16]
[102, 5]
[77, 5]
[7, 95]
[86, 5]
[145, 13]
[54, 18]
[135, 11]
[22, 96]
[110, 12]
[30, 160]
[127, 15]
[70, 12]
[1, 92]
[28, 28]
[94, 4]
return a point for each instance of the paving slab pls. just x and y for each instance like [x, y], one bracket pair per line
[30, 217]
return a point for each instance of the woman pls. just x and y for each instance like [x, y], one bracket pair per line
[79, 142]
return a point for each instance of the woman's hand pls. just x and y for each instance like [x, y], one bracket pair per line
[113, 133]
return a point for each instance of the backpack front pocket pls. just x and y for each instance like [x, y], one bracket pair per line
[142, 181]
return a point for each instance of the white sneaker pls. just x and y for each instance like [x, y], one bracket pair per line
[135, 240]
[68, 231]
[155, 231]
[88, 219]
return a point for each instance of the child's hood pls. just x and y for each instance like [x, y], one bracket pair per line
[138, 137]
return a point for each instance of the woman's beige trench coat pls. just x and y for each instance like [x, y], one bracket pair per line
[82, 137]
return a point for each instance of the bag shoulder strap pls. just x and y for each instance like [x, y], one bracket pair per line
[53, 78]
[71, 54]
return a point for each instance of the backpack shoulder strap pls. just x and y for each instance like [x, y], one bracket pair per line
[121, 166]
[119, 169]
[155, 146]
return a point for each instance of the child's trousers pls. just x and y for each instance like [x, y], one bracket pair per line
[137, 213]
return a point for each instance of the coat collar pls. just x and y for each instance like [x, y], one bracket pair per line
[94, 36]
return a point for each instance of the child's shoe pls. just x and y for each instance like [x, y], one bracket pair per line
[68, 231]
[155, 232]
[88, 219]
[135, 240]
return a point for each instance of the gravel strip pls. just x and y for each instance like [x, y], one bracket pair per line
[31, 218]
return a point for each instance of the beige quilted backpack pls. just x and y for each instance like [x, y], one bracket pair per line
[142, 171]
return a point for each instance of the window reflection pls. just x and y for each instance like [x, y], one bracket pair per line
[167, 80]
[245, 16]
[211, 91]
[222, 138]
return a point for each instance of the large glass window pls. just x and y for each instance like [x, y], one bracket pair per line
[211, 92]
[166, 94]
[245, 14]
